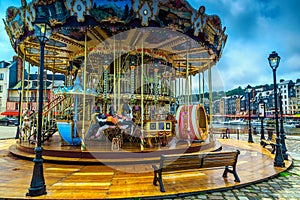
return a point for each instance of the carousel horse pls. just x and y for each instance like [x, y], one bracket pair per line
[26, 125]
[108, 121]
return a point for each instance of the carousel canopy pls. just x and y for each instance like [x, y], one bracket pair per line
[168, 30]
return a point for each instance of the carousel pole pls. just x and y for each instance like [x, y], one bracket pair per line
[187, 93]
[210, 96]
[203, 78]
[119, 74]
[182, 97]
[18, 134]
[142, 95]
[28, 81]
[115, 91]
[199, 88]
[187, 86]
[174, 88]
[22, 90]
[132, 67]
[83, 147]
[191, 92]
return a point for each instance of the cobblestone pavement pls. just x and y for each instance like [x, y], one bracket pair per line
[286, 186]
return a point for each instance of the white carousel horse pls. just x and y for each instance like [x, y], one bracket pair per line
[26, 125]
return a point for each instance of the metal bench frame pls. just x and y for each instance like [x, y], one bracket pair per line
[195, 161]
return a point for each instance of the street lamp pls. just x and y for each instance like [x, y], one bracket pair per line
[42, 30]
[19, 116]
[262, 115]
[282, 135]
[250, 138]
[274, 60]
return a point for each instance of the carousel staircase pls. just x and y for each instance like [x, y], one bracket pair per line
[49, 126]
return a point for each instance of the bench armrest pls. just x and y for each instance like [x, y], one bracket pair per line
[155, 167]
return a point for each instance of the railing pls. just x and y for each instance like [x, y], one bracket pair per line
[49, 115]
[25, 99]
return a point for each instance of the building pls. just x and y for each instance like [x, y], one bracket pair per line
[297, 97]
[286, 88]
[10, 74]
[29, 97]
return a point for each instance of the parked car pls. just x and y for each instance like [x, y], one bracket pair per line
[6, 121]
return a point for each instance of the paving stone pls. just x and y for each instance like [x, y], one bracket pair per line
[215, 197]
[201, 197]
[243, 198]
[228, 193]
[230, 198]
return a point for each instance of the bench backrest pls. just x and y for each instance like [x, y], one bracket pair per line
[198, 160]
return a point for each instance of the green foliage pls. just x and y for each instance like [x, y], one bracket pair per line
[236, 91]
[284, 174]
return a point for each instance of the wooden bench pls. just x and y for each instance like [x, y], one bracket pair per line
[224, 132]
[270, 141]
[194, 161]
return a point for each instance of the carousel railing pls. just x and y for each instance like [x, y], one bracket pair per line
[49, 127]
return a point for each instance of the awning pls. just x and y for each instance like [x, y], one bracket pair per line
[10, 112]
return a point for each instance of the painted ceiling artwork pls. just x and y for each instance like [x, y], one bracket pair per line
[165, 29]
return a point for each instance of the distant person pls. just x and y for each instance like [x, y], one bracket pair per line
[96, 108]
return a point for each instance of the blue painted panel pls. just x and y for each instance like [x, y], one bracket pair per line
[65, 131]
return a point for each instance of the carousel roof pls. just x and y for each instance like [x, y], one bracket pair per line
[170, 30]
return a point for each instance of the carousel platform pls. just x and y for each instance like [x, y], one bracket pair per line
[111, 181]
[100, 151]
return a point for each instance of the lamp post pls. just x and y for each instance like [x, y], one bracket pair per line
[19, 116]
[274, 60]
[282, 135]
[250, 138]
[262, 115]
[42, 31]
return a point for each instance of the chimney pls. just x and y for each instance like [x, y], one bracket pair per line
[19, 67]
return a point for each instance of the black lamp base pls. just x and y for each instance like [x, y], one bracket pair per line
[36, 191]
[37, 186]
[278, 162]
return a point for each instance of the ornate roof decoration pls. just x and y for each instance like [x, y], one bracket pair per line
[102, 19]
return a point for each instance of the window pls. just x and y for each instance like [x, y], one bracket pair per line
[1, 76]
[1, 88]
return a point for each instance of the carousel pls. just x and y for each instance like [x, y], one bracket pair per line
[130, 68]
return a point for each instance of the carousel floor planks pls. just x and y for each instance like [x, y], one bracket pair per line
[69, 181]
[100, 151]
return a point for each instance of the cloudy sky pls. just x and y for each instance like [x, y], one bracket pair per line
[255, 28]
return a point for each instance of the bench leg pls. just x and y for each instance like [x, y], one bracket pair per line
[161, 185]
[236, 177]
[225, 172]
[155, 178]
[273, 149]
[233, 171]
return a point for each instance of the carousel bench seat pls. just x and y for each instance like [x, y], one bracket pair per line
[271, 142]
[176, 163]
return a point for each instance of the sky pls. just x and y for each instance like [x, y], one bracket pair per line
[255, 28]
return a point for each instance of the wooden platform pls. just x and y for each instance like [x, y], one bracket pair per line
[100, 151]
[69, 181]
